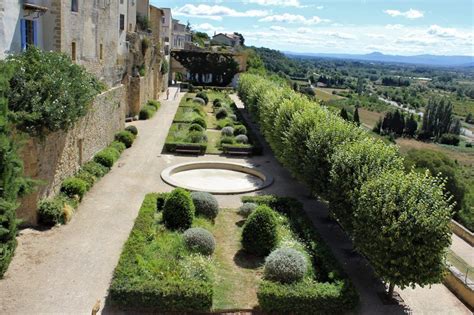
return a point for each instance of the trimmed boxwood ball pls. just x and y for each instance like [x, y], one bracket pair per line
[132, 129]
[259, 235]
[233, 117]
[94, 168]
[126, 137]
[146, 112]
[117, 145]
[227, 140]
[154, 104]
[50, 211]
[240, 130]
[87, 177]
[204, 96]
[200, 121]
[199, 101]
[216, 100]
[217, 104]
[74, 186]
[107, 157]
[227, 131]
[285, 265]
[221, 113]
[178, 211]
[196, 127]
[200, 240]
[205, 204]
[196, 137]
[247, 208]
[243, 139]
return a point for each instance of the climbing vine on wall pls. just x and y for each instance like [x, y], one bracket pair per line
[208, 68]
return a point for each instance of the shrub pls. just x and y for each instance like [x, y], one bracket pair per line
[87, 177]
[227, 131]
[200, 240]
[94, 168]
[240, 130]
[196, 127]
[468, 145]
[224, 123]
[217, 101]
[243, 139]
[160, 201]
[73, 187]
[232, 117]
[259, 235]
[204, 96]
[199, 101]
[227, 140]
[285, 265]
[178, 211]
[200, 121]
[107, 157]
[205, 204]
[154, 103]
[221, 113]
[147, 112]
[247, 208]
[117, 145]
[197, 137]
[449, 139]
[132, 129]
[51, 211]
[126, 137]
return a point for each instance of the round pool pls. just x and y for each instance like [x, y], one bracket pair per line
[216, 177]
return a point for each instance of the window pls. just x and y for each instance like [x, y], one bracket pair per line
[101, 52]
[74, 5]
[29, 33]
[73, 51]
[122, 22]
[121, 1]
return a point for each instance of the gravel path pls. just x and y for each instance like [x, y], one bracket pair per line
[66, 269]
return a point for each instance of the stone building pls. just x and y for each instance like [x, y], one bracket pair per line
[181, 35]
[117, 40]
[231, 40]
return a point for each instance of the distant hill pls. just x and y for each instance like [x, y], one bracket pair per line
[433, 60]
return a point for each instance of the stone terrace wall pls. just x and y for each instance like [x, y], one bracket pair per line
[60, 154]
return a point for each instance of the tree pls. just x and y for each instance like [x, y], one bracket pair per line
[438, 118]
[242, 39]
[360, 85]
[344, 115]
[470, 118]
[402, 226]
[356, 116]
[411, 125]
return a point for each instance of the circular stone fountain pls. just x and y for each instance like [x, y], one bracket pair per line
[216, 177]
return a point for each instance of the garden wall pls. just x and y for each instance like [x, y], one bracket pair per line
[60, 154]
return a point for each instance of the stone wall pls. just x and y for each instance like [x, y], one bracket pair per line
[60, 154]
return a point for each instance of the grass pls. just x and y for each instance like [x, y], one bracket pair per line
[369, 118]
[326, 94]
[237, 275]
[213, 137]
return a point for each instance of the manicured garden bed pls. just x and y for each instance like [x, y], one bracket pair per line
[210, 120]
[158, 272]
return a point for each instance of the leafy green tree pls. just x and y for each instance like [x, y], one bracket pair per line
[411, 126]
[438, 118]
[48, 92]
[356, 116]
[402, 226]
[12, 182]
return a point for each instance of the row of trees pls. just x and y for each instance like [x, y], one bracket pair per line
[398, 124]
[439, 119]
[395, 81]
[399, 220]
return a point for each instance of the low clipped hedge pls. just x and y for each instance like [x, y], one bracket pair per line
[107, 157]
[257, 147]
[330, 292]
[126, 137]
[73, 187]
[172, 146]
[147, 112]
[133, 288]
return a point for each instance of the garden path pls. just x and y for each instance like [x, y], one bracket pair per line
[66, 269]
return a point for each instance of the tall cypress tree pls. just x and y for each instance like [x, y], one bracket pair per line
[356, 116]
[344, 115]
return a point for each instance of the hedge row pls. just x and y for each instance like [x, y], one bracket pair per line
[155, 270]
[329, 292]
[149, 110]
[339, 161]
[59, 209]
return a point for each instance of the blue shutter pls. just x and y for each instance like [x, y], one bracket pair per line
[23, 34]
[35, 33]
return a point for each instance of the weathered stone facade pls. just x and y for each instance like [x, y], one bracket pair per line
[60, 154]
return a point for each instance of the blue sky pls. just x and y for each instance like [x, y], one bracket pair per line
[338, 26]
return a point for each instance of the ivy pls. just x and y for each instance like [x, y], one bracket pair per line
[222, 66]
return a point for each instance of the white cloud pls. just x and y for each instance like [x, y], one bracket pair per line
[320, 7]
[281, 3]
[303, 30]
[394, 26]
[215, 12]
[445, 32]
[410, 14]
[207, 27]
[340, 35]
[293, 18]
[278, 28]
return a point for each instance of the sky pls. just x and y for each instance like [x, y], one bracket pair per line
[399, 27]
